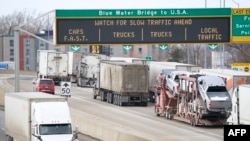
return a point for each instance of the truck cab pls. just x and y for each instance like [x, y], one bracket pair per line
[49, 122]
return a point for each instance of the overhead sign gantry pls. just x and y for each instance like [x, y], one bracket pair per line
[142, 26]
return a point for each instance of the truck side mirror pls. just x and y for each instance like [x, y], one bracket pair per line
[33, 132]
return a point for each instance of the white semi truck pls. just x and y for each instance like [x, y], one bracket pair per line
[88, 68]
[37, 116]
[240, 114]
[73, 65]
[54, 65]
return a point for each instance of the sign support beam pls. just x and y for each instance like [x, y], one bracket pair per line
[16, 51]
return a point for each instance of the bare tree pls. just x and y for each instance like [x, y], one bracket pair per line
[237, 53]
[26, 18]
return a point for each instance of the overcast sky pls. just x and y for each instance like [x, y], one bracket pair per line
[44, 6]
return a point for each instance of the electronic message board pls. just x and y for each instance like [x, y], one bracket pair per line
[130, 27]
[143, 30]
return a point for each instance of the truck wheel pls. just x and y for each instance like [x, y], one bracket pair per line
[167, 115]
[114, 100]
[107, 97]
[194, 124]
[171, 116]
[156, 112]
[102, 95]
[192, 121]
[118, 100]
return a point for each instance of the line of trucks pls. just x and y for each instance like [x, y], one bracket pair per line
[59, 66]
[68, 66]
[190, 96]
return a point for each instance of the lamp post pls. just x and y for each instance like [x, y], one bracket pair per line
[205, 49]
[223, 46]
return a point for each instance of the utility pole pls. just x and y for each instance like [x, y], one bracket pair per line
[16, 51]
[205, 49]
[17, 30]
[223, 45]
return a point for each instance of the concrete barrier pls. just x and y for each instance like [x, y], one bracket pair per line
[31, 73]
[104, 129]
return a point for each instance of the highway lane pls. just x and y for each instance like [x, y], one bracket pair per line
[27, 84]
[141, 120]
[2, 134]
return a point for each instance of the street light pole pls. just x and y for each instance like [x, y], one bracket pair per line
[205, 49]
[16, 53]
[223, 45]
[17, 31]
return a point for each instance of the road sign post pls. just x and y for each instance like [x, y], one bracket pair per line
[66, 89]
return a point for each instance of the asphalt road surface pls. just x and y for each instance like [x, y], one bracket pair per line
[141, 120]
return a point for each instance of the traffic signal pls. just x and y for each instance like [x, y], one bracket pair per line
[95, 49]
[99, 49]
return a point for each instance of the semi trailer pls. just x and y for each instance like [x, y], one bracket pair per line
[211, 108]
[122, 83]
[240, 114]
[54, 65]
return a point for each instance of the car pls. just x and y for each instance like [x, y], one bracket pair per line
[172, 81]
[44, 85]
[214, 93]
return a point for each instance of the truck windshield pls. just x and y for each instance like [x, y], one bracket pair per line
[51, 129]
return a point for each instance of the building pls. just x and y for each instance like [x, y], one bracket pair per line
[28, 46]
